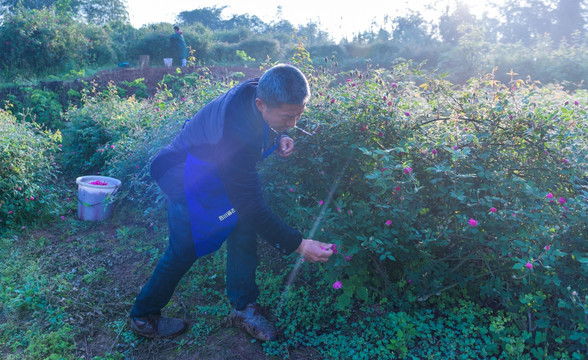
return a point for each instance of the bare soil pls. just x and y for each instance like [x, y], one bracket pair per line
[109, 266]
[153, 75]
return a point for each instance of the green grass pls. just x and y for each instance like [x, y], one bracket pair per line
[66, 289]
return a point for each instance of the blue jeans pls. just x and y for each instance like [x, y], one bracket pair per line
[179, 256]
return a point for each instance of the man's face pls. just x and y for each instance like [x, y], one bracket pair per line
[280, 118]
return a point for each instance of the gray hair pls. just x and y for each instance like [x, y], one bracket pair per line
[283, 84]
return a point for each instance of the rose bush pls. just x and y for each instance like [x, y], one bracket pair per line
[435, 187]
[28, 172]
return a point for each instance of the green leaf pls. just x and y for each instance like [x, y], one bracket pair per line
[343, 302]
[518, 266]
[362, 293]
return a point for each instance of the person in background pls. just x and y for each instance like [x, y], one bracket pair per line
[209, 175]
[179, 45]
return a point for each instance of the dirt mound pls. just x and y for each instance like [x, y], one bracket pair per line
[153, 75]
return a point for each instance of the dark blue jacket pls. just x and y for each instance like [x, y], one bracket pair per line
[228, 132]
[179, 45]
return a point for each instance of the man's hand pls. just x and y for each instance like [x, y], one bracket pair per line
[285, 147]
[314, 251]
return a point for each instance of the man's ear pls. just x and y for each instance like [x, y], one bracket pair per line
[260, 104]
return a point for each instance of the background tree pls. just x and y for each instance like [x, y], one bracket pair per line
[570, 16]
[208, 16]
[97, 12]
[250, 22]
[411, 30]
[525, 21]
[450, 22]
[102, 12]
[10, 5]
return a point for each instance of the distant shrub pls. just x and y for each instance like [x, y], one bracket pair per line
[123, 37]
[28, 173]
[93, 129]
[155, 44]
[260, 49]
[42, 107]
[40, 42]
[101, 50]
[232, 36]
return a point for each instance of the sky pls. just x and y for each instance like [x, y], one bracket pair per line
[339, 19]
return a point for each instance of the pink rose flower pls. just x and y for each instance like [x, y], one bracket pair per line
[388, 222]
[493, 209]
[334, 248]
[321, 202]
[337, 285]
[562, 200]
[408, 170]
[547, 247]
[549, 196]
[473, 222]
[529, 266]
[98, 182]
[434, 151]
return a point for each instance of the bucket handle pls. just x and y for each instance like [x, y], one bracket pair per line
[98, 203]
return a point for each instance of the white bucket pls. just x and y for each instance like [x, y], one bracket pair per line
[95, 196]
[167, 62]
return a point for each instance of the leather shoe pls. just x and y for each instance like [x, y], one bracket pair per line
[157, 326]
[251, 320]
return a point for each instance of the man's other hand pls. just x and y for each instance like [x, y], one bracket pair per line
[285, 147]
